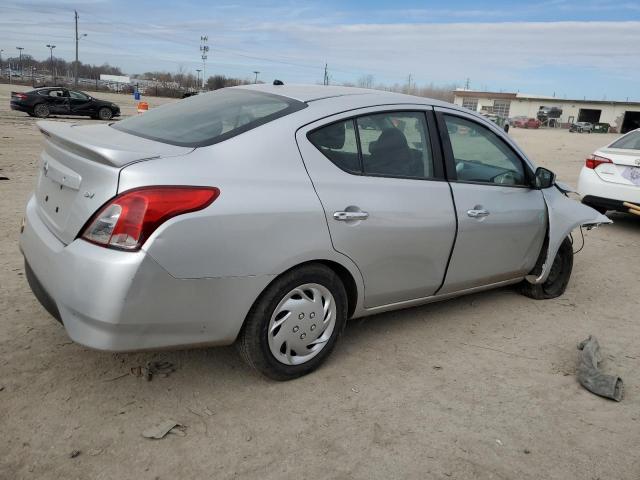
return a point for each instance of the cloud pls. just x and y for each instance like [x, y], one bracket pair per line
[285, 40]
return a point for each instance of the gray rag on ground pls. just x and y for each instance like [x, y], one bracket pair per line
[608, 386]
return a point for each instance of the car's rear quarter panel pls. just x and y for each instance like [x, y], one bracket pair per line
[267, 218]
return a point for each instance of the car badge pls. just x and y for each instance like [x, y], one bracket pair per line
[45, 168]
[89, 194]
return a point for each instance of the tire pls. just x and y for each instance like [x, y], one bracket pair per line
[558, 279]
[105, 113]
[41, 110]
[272, 331]
[31, 114]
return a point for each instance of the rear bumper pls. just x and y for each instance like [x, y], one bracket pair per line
[605, 203]
[609, 195]
[124, 301]
[19, 107]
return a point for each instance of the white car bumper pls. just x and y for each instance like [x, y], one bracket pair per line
[609, 195]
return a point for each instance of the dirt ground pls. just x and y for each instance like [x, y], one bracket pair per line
[481, 387]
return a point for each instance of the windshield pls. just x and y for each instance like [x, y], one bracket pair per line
[631, 141]
[210, 118]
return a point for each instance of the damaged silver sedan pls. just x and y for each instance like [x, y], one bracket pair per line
[269, 215]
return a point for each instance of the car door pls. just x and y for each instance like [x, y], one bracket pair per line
[387, 204]
[80, 103]
[502, 221]
[58, 101]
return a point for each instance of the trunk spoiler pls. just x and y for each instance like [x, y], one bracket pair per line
[106, 145]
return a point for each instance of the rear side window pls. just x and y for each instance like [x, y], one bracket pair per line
[338, 143]
[395, 144]
[206, 119]
[389, 144]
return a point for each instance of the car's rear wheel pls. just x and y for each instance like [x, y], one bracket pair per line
[41, 110]
[558, 278]
[105, 113]
[295, 323]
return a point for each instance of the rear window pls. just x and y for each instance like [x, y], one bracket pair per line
[210, 118]
[630, 141]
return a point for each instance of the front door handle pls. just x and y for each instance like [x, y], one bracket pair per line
[478, 213]
[346, 216]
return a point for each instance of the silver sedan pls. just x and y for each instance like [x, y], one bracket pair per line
[269, 215]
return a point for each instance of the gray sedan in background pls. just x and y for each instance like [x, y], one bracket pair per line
[269, 215]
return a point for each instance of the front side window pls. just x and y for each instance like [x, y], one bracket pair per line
[78, 95]
[210, 118]
[481, 156]
[391, 144]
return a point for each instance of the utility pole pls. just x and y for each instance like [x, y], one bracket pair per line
[466, 85]
[204, 50]
[198, 70]
[20, 50]
[256, 72]
[1, 50]
[51, 47]
[409, 84]
[326, 75]
[75, 69]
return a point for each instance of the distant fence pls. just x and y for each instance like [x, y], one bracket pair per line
[96, 85]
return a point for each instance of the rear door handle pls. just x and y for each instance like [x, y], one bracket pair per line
[473, 213]
[346, 216]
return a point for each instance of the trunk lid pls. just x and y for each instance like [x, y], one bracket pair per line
[625, 168]
[80, 168]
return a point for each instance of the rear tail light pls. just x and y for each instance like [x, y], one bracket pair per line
[129, 219]
[21, 96]
[594, 160]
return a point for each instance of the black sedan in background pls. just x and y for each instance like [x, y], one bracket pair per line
[43, 102]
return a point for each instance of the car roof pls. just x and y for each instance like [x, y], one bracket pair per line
[351, 97]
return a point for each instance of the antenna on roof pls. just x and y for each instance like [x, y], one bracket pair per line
[278, 82]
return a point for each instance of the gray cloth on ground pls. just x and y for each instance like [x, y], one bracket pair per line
[608, 386]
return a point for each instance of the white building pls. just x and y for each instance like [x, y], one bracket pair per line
[621, 116]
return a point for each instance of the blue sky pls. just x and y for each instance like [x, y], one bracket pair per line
[571, 48]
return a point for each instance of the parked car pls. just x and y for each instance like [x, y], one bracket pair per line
[581, 127]
[525, 122]
[498, 120]
[611, 175]
[549, 114]
[43, 102]
[263, 215]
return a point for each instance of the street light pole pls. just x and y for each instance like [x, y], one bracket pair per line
[20, 50]
[256, 72]
[1, 50]
[51, 47]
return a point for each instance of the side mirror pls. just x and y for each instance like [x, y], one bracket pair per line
[543, 178]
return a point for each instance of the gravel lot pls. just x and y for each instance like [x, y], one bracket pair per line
[478, 387]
